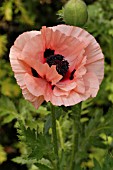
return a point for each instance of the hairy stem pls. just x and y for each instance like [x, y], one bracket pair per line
[54, 133]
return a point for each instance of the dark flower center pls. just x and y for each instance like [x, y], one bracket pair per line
[62, 65]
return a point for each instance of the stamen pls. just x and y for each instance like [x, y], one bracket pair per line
[62, 65]
[53, 87]
[72, 74]
[54, 59]
[48, 52]
[34, 72]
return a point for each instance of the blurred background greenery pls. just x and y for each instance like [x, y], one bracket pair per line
[17, 16]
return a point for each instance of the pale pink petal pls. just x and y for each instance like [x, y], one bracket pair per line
[35, 53]
[80, 71]
[48, 93]
[66, 85]
[76, 32]
[41, 68]
[24, 38]
[20, 79]
[98, 68]
[77, 97]
[91, 44]
[80, 88]
[72, 99]
[93, 51]
[77, 61]
[52, 39]
[52, 75]
[27, 95]
[62, 44]
[18, 67]
[56, 100]
[91, 83]
[49, 73]
[38, 101]
[95, 59]
[59, 92]
[47, 36]
[36, 86]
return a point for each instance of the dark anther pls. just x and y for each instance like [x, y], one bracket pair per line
[62, 67]
[34, 72]
[54, 59]
[61, 64]
[53, 87]
[48, 52]
[72, 74]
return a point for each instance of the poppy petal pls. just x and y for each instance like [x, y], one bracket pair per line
[80, 88]
[66, 85]
[31, 55]
[24, 38]
[91, 83]
[36, 101]
[59, 92]
[36, 86]
[49, 73]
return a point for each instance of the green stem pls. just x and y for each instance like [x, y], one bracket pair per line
[60, 135]
[75, 139]
[54, 133]
[74, 148]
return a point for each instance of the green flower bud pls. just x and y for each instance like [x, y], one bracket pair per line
[75, 13]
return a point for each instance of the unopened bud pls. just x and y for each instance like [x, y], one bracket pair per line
[75, 13]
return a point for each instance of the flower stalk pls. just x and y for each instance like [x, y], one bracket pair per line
[54, 133]
[75, 139]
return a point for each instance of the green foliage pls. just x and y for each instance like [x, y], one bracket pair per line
[8, 87]
[24, 111]
[3, 155]
[3, 43]
[8, 110]
[7, 10]
[24, 16]
[108, 163]
[43, 167]
[38, 146]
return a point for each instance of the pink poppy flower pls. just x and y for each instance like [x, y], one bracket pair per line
[61, 64]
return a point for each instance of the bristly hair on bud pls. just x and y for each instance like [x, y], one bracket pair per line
[60, 13]
[74, 13]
